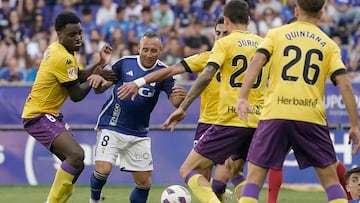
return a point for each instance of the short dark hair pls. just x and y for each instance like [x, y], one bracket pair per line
[65, 18]
[350, 172]
[237, 11]
[220, 20]
[151, 34]
[311, 7]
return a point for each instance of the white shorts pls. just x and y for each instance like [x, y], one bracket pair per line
[134, 152]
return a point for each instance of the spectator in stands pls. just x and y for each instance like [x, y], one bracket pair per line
[4, 13]
[17, 29]
[164, 18]
[140, 28]
[194, 41]
[27, 12]
[288, 11]
[346, 13]
[344, 51]
[12, 72]
[22, 57]
[326, 22]
[106, 12]
[62, 6]
[87, 22]
[185, 14]
[118, 22]
[352, 178]
[270, 19]
[32, 70]
[263, 4]
[38, 26]
[93, 44]
[211, 10]
[117, 38]
[133, 11]
[354, 68]
[7, 46]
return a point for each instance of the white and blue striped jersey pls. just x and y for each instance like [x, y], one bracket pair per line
[132, 117]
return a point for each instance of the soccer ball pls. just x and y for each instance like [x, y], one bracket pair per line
[175, 194]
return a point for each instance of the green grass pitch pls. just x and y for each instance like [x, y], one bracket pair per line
[120, 194]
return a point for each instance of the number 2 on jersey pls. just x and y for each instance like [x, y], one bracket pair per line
[235, 61]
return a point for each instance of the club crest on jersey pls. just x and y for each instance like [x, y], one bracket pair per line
[71, 72]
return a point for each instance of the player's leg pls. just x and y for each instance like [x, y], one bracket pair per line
[330, 182]
[268, 149]
[219, 183]
[106, 153]
[313, 147]
[142, 187]
[235, 168]
[191, 172]
[136, 157]
[275, 178]
[199, 132]
[341, 170]
[53, 133]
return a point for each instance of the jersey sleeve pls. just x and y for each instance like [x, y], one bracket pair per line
[196, 63]
[336, 66]
[66, 70]
[218, 53]
[267, 45]
[116, 67]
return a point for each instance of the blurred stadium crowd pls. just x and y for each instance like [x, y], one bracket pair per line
[186, 27]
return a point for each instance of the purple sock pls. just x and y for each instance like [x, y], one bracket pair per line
[335, 192]
[189, 175]
[236, 181]
[70, 169]
[218, 187]
[251, 190]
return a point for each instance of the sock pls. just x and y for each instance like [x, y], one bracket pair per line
[335, 194]
[238, 184]
[219, 188]
[275, 178]
[62, 187]
[341, 170]
[250, 193]
[139, 194]
[97, 182]
[203, 193]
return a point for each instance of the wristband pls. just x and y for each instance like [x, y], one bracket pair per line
[140, 82]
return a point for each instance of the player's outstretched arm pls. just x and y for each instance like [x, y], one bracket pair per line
[256, 64]
[131, 88]
[348, 97]
[200, 83]
[78, 92]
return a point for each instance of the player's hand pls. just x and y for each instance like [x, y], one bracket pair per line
[105, 54]
[108, 75]
[179, 91]
[174, 118]
[354, 137]
[96, 80]
[127, 89]
[243, 108]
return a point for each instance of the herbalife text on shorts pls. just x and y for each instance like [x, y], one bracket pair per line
[298, 102]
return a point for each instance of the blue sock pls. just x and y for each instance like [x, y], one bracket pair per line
[97, 182]
[139, 194]
[218, 187]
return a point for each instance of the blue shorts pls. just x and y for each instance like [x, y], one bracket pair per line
[310, 142]
[222, 142]
[45, 128]
[200, 130]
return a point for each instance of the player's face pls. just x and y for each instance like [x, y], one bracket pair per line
[354, 185]
[149, 51]
[71, 37]
[220, 31]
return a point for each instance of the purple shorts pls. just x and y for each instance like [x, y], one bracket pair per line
[311, 144]
[45, 128]
[221, 142]
[200, 130]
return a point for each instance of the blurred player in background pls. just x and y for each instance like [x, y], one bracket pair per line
[58, 78]
[123, 125]
[303, 57]
[208, 102]
[228, 136]
[352, 178]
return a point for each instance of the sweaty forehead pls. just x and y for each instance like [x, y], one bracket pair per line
[72, 28]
